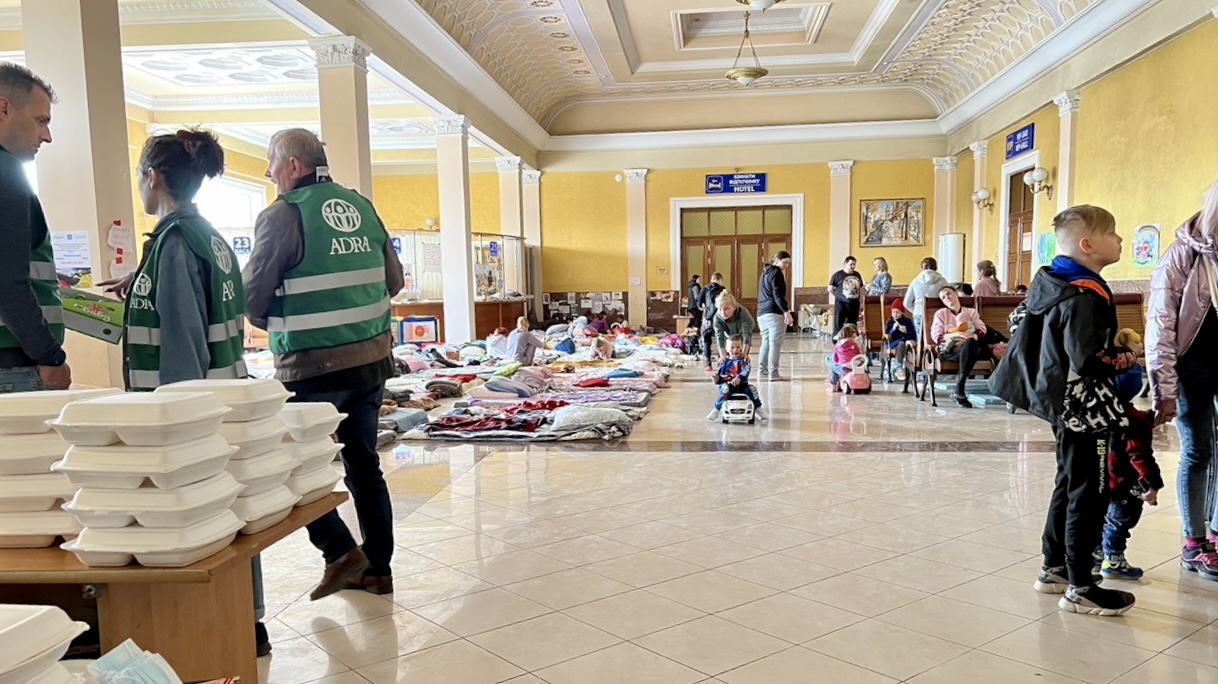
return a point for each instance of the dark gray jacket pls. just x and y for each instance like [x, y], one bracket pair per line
[772, 292]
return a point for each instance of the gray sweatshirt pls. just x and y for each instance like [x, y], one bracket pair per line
[927, 284]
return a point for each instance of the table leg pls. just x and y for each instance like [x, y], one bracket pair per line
[204, 631]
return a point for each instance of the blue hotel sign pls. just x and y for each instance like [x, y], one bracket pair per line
[736, 183]
[1021, 141]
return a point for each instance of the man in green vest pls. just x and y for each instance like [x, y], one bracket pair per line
[31, 315]
[319, 282]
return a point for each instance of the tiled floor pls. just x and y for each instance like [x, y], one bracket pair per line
[862, 540]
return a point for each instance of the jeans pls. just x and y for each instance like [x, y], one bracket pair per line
[965, 354]
[1195, 421]
[1122, 517]
[259, 597]
[364, 480]
[25, 379]
[1075, 521]
[726, 390]
[835, 371]
[773, 328]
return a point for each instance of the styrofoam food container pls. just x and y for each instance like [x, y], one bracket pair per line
[260, 473]
[156, 547]
[56, 673]
[313, 485]
[126, 467]
[35, 530]
[100, 520]
[155, 507]
[32, 640]
[312, 455]
[310, 421]
[29, 493]
[250, 400]
[255, 438]
[27, 413]
[141, 419]
[265, 509]
[30, 454]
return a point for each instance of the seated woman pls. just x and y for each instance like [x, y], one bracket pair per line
[957, 330]
[522, 345]
[600, 324]
[732, 319]
[496, 343]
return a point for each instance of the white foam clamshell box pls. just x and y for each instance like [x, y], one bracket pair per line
[250, 400]
[313, 485]
[265, 509]
[35, 530]
[30, 454]
[30, 493]
[310, 421]
[55, 673]
[155, 507]
[312, 455]
[32, 640]
[27, 413]
[126, 467]
[141, 419]
[255, 438]
[260, 473]
[156, 547]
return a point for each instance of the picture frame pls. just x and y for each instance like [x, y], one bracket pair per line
[892, 222]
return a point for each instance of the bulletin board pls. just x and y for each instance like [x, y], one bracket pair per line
[575, 304]
[663, 306]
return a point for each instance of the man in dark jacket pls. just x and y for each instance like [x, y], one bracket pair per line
[695, 298]
[773, 313]
[707, 298]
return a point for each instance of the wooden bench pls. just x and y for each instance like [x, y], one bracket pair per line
[933, 365]
[200, 618]
[871, 324]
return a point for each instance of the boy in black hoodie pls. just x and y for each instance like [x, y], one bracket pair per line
[1062, 366]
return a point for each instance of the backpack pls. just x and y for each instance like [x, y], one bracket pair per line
[856, 380]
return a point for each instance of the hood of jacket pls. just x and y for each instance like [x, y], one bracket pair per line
[1191, 235]
[1048, 290]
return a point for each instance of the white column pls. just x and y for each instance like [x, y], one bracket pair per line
[945, 199]
[980, 149]
[85, 174]
[636, 245]
[511, 213]
[841, 204]
[1067, 105]
[532, 235]
[456, 243]
[342, 86]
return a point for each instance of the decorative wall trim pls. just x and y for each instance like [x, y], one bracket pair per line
[636, 175]
[944, 163]
[530, 177]
[508, 164]
[1017, 166]
[341, 51]
[841, 168]
[721, 137]
[452, 125]
[980, 149]
[795, 201]
[1068, 102]
[172, 12]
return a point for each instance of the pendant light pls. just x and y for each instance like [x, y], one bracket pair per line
[746, 75]
[759, 5]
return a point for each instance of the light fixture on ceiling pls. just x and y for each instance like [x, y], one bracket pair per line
[759, 5]
[981, 198]
[746, 75]
[1035, 179]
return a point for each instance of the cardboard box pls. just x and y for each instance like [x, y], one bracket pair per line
[93, 315]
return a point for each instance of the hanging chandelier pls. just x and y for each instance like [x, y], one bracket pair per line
[759, 5]
[747, 75]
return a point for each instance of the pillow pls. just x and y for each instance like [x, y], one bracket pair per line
[575, 417]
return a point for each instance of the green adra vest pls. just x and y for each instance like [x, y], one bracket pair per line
[45, 282]
[337, 295]
[225, 308]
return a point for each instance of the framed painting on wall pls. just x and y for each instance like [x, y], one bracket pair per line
[892, 223]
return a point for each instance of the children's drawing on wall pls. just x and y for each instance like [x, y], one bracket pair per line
[1146, 246]
[892, 223]
[1046, 248]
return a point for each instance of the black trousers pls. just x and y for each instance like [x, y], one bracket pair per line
[708, 344]
[1075, 522]
[844, 313]
[965, 354]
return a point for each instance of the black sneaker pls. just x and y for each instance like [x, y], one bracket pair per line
[962, 401]
[1096, 601]
[262, 641]
[1054, 580]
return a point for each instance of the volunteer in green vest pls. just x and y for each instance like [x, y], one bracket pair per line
[185, 302]
[31, 315]
[319, 282]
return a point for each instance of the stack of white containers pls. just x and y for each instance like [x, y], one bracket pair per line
[30, 494]
[151, 468]
[254, 427]
[309, 428]
[32, 640]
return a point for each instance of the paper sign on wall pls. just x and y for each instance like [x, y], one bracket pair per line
[72, 259]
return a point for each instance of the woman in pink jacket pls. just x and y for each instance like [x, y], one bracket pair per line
[1181, 335]
[957, 330]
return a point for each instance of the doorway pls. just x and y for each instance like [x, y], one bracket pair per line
[737, 242]
[1021, 227]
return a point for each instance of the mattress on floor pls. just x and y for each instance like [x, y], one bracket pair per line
[606, 431]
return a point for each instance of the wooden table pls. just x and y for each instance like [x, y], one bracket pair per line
[200, 618]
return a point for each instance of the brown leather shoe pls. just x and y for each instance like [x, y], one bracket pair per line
[373, 584]
[352, 564]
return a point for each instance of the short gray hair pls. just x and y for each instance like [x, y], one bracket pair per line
[18, 82]
[302, 144]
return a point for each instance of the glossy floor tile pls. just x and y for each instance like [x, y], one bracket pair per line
[852, 540]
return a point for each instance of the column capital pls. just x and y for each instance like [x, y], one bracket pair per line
[841, 167]
[944, 163]
[1214, 12]
[530, 177]
[1068, 102]
[980, 149]
[340, 51]
[636, 175]
[452, 125]
[508, 164]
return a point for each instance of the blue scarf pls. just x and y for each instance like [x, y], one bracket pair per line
[1071, 271]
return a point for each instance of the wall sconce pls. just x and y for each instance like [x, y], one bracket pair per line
[430, 223]
[1035, 179]
[619, 178]
[981, 198]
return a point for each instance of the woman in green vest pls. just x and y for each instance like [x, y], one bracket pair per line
[185, 304]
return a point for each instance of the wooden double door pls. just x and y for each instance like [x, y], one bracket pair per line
[1020, 232]
[740, 259]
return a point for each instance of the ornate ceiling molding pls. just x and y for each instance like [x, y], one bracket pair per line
[341, 51]
[172, 12]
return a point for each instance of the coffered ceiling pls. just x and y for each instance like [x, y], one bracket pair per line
[596, 66]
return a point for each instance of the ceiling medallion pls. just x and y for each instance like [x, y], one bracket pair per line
[746, 75]
[551, 20]
[568, 48]
[759, 5]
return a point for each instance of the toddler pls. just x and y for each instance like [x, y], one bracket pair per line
[733, 378]
[847, 348]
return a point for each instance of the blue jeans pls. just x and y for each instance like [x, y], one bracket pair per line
[25, 379]
[773, 328]
[1122, 517]
[1195, 421]
[835, 371]
[726, 390]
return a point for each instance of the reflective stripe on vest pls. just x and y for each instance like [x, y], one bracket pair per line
[41, 270]
[142, 378]
[219, 332]
[328, 319]
[331, 281]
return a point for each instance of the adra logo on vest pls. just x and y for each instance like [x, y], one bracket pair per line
[224, 259]
[143, 285]
[341, 215]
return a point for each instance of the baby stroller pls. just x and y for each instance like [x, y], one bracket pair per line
[856, 380]
[737, 408]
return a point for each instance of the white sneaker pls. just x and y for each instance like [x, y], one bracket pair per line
[713, 415]
[761, 414]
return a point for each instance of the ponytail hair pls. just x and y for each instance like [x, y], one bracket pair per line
[183, 160]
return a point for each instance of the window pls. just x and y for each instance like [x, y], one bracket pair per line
[31, 172]
[232, 207]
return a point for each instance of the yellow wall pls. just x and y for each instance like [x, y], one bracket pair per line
[912, 179]
[965, 168]
[406, 202]
[583, 232]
